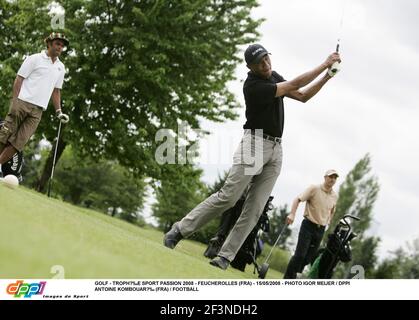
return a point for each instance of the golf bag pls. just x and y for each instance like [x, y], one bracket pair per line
[337, 249]
[252, 246]
[13, 166]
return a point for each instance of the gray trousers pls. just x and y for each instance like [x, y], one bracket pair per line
[256, 166]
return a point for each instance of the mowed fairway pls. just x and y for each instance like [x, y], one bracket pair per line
[37, 233]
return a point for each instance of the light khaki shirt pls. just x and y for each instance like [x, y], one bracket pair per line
[320, 204]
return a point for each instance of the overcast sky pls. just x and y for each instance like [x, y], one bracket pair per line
[369, 107]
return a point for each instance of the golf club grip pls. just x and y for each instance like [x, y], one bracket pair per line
[335, 67]
[337, 47]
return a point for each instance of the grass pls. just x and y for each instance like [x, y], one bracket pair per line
[37, 233]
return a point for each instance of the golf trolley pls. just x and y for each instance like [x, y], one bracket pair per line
[337, 249]
[252, 246]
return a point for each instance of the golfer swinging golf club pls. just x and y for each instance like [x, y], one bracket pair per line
[319, 210]
[40, 76]
[258, 159]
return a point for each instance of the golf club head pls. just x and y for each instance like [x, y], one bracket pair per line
[352, 236]
[263, 270]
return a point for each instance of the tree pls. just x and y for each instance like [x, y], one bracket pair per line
[410, 263]
[402, 264]
[103, 185]
[23, 25]
[390, 268]
[357, 196]
[134, 67]
[177, 196]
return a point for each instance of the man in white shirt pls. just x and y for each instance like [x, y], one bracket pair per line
[39, 78]
[319, 210]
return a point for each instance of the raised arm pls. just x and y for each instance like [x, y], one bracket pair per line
[303, 95]
[287, 87]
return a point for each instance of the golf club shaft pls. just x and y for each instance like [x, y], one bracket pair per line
[53, 162]
[341, 25]
[336, 66]
[276, 242]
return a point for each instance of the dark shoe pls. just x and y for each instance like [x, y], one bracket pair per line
[172, 237]
[220, 262]
[214, 247]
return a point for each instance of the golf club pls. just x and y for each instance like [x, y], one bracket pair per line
[336, 66]
[265, 266]
[53, 162]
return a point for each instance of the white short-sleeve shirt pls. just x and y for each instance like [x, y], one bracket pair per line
[41, 77]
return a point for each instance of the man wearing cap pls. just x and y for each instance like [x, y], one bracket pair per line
[39, 78]
[319, 210]
[258, 159]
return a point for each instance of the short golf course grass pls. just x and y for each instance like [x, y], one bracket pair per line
[37, 233]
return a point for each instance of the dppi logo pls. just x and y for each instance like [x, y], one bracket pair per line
[27, 290]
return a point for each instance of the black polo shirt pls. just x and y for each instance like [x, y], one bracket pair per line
[263, 109]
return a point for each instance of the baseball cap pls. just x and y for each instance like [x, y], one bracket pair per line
[57, 35]
[254, 53]
[331, 172]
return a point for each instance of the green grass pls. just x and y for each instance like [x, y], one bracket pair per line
[37, 233]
